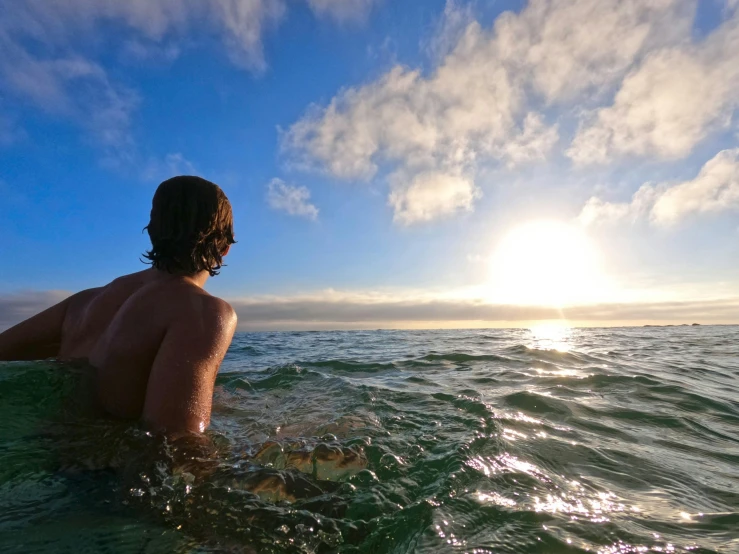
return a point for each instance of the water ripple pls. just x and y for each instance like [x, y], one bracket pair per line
[603, 440]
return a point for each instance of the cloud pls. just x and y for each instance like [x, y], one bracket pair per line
[290, 199]
[669, 103]
[10, 132]
[55, 75]
[42, 65]
[473, 108]
[357, 311]
[342, 10]
[71, 87]
[566, 47]
[430, 195]
[14, 308]
[451, 26]
[172, 165]
[244, 22]
[532, 144]
[240, 23]
[337, 310]
[715, 189]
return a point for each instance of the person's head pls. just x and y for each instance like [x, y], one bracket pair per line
[191, 226]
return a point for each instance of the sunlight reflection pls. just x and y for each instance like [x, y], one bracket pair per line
[495, 498]
[551, 336]
[595, 508]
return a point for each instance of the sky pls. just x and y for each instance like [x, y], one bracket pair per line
[411, 164]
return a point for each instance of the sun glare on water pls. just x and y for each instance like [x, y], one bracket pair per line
[546, 263]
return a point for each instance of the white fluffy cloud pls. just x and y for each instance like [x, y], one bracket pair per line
[565, 47]
[290, 199]
[532, 144]
[669, 103]
[430, 195]
[475, 106]
[715, 189]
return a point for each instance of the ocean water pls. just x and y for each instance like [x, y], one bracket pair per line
[549, 440]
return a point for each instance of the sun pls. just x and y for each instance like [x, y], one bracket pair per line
[546, 263]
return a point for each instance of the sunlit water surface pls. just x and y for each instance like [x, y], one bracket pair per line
[552, 440]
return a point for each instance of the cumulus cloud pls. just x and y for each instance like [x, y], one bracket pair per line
[430, 195]
[669, 103]
[474, 107]
[290, 199]
[342, 10]
[533, 143]
[715, 189]
[566, 47]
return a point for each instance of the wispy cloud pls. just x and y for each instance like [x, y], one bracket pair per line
[240, 23]
[71, 87]
[715, 189]
[173, 164]
[290, 199]
[342, 10]
[244, 22]
[61, 76]
[10, 132]
[58, 77]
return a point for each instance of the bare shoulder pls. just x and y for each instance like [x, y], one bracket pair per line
[221, 307]
[179, 392]
[216, 312]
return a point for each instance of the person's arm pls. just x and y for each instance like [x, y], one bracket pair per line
[179, 394]
[36, 338]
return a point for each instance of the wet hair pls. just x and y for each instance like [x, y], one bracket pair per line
[191, 226]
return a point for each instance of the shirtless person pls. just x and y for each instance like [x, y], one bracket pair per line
[154, 338]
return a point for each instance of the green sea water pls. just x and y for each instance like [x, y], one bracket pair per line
[619, 440]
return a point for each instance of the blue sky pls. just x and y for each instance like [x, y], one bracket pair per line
[389, 163]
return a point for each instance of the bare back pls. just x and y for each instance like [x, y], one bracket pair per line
[155, 341]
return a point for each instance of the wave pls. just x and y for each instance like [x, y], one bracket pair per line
[625, 442]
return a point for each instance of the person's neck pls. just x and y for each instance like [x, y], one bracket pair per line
[197, 279]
